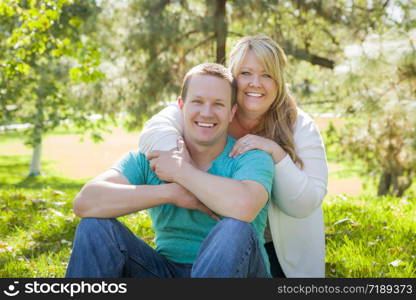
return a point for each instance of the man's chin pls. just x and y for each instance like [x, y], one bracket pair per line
[205, 143]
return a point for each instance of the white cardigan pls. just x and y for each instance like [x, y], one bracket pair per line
[295, 213]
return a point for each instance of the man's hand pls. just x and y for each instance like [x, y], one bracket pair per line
[183, 151]
[168, 164]
[181, 197]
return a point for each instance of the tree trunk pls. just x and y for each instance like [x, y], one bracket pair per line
[401, 184]
[221, 29]
[35, 166]
[384, 184]
[36, 135]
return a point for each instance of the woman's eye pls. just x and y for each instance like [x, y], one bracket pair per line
[267, 76]
[245, 73]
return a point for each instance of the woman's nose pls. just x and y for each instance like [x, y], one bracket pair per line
[255, 82]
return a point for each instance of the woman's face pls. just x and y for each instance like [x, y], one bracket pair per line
[256, 88]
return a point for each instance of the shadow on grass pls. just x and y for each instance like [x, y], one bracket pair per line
[34, 206]
[51, 244]
[14, 170]
[52, 241]
[54, 182]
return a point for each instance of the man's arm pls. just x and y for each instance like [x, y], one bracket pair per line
[111, 195]
[240, 200]
[228, 197]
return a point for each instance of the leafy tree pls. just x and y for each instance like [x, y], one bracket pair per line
[382, 88]
[162, 39]
[44, 50]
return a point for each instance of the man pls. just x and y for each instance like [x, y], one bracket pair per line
[190, 241]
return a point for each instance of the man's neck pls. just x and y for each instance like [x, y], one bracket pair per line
[202, 155]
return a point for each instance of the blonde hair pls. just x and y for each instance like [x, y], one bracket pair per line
[278, 122]
[212, 69]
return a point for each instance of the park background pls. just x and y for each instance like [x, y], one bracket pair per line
[79, 78]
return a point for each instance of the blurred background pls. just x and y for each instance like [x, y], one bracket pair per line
[78, 79]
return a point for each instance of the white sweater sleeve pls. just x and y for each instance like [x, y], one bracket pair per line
[298, 192]
[162, 130]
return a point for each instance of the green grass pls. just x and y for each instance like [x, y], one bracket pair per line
[365, 234]
[37, 224]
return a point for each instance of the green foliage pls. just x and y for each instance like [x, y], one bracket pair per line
[66, 59]
[381, 96]
[47, 55]
[43, 53]
[157, 42]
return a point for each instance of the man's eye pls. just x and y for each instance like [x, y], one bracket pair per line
[219, 104]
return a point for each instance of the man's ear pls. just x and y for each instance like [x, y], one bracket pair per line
[180, 102]
[233, 110]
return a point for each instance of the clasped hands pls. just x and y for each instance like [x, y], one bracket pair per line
[168, 165]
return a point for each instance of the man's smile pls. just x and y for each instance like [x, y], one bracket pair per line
[205, 124]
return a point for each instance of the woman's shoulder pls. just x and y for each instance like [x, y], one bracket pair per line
[303, 121]
[306, 131]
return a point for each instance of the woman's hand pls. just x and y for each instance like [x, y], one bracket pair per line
[251, 141]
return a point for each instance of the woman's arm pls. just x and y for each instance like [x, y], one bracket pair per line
[162, 130]
[298, 192]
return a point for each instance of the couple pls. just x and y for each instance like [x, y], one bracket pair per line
[220, 176]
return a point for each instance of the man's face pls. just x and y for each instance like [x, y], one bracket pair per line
[207, 110]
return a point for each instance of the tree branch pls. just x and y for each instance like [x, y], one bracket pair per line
[303, 54]
[182, 59]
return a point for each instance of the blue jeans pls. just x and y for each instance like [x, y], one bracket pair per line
[107, 248]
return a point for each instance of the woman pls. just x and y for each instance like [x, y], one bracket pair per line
[267, 118]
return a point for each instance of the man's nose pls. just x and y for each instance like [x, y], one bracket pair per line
[206, 110]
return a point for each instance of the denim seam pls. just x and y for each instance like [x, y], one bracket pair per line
[123, 248]
[246, 254]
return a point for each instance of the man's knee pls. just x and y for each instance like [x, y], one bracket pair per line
[236, 225]
[93, 226]
[234, 228]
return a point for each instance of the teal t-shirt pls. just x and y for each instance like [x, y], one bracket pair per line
[179, 232]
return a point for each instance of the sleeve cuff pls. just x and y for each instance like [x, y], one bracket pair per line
[284, 162]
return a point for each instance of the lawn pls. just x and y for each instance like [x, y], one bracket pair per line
[37, 224]
[367, 236]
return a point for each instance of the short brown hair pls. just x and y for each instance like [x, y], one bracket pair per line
[212, 69]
